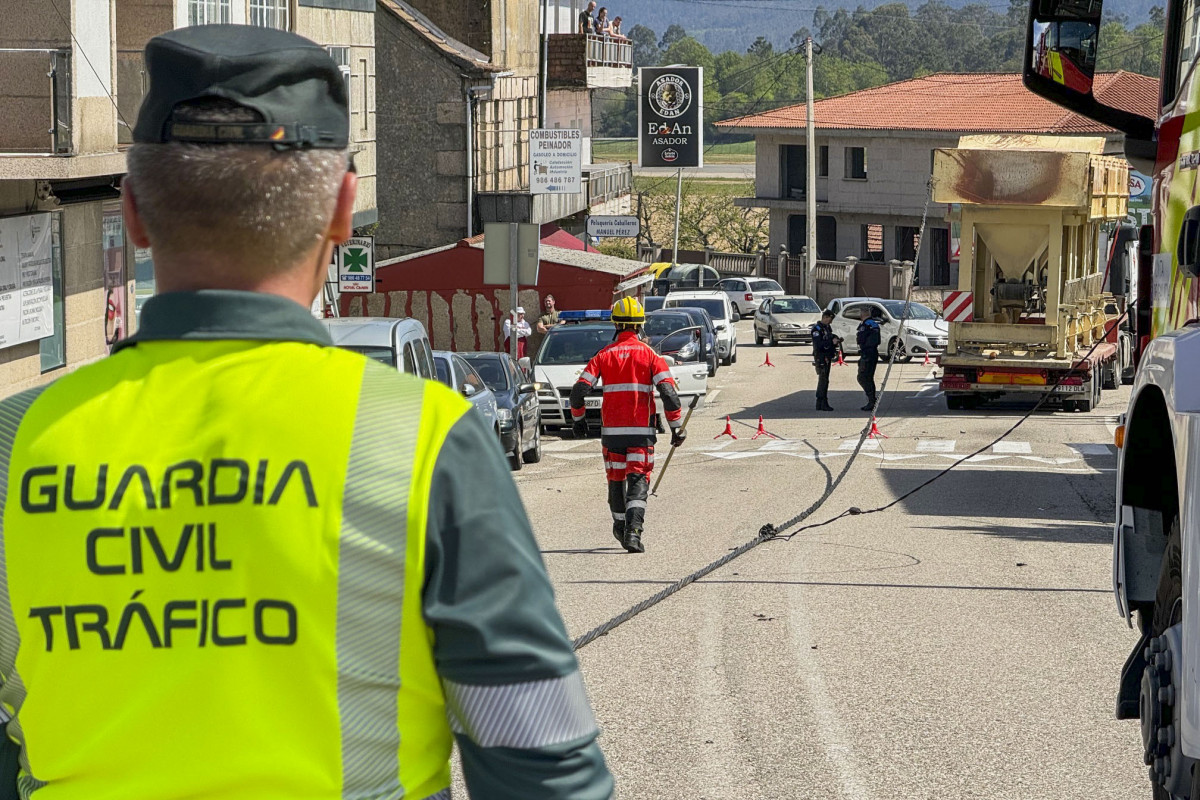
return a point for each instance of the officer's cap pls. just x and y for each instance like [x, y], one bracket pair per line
[289, 80]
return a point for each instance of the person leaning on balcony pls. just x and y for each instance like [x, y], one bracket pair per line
[616, 29]
[603, 25]
[587, 24]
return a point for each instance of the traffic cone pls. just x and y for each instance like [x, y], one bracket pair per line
[767, 363]
[926, 363]
[875, 432]
[762, 431]
[727, 432]
[841, 361]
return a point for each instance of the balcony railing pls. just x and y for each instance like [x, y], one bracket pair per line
[35, 91]
[132, 84]
[604, 51]
[608, 181]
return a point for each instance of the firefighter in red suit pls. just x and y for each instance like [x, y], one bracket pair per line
[630, 371]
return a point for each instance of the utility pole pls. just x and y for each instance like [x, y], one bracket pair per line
[811, 189]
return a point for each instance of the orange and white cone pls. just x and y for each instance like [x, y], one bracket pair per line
[767, 362]
[841, 362]
[727, 432]
[927, 362]
[875, 432]
[762, 431]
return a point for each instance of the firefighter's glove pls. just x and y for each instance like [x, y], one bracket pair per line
[678, 435]
[580, 428]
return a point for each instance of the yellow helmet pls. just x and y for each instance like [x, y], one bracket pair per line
[628, 311]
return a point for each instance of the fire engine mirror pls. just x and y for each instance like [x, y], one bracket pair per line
[1061, 46]
[1189, 242]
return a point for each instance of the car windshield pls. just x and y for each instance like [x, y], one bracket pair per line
[384, 355]
[567, 345]
[662, 324]
[714, 307]
[653, 302]
[795, 305]
[765, 286]
[492, 372]
[915, 310]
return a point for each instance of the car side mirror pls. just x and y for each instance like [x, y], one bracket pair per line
[468, 390]
[526, 388]
[670, 360]
[524, 363]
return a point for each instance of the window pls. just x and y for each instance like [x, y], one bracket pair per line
[53, 348]
[269, 13]
[208, 12]
[410, 360]
[855, 312]
[856, 163]
[872, 243]
[906, 243]
[823, 161]
[1188, 39]
[795, 170]
[341, 57]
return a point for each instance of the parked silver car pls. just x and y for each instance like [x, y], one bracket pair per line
[401, 343]
[924, 331]
[454, 371]
[787, 318]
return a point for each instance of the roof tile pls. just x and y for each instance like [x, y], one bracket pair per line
[960, 102]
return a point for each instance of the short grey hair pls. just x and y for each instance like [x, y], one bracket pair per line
[229, 201]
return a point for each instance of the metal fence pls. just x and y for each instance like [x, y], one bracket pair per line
[606, 181]
[35, 92]
[604, 51]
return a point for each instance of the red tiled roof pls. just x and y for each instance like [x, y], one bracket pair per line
[958, 102]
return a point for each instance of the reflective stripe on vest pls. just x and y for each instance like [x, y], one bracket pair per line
[241, 567]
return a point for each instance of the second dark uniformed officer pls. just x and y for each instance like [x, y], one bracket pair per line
[869, 336]
[825, 347]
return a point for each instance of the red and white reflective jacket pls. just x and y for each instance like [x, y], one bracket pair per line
[630, 371]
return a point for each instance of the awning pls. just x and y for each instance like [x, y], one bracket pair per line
[633, 283]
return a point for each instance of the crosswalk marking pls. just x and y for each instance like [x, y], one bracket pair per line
[867, 446]
[936, 446]
[1011, 448]
[1092, 449]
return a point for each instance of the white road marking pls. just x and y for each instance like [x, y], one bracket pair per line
[923, 392]
[564, 444]
[936, 446]
[711, 397]
[575, 456]
[1011, 448]
[868, 445]
[1092, 449]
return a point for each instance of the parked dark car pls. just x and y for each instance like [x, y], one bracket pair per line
[673, 333]
[516, 406]
[700, 317]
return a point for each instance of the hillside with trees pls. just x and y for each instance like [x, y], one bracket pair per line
[859, 49]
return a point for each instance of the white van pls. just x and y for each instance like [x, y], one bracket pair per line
[400, 343]
[717, 304]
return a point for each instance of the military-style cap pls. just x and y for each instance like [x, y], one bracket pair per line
[291, 81]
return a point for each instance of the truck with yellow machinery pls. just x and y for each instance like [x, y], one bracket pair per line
[1031, 315]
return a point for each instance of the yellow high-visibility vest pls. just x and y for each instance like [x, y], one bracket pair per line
[211, 576]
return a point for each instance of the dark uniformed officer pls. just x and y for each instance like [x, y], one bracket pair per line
[825, 348]
[291, 571]
[869, 336]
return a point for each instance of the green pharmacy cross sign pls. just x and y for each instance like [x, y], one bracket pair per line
[356, 265]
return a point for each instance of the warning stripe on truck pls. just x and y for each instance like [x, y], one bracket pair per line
[958, 306]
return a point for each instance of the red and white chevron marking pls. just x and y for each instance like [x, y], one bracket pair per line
[958, 306]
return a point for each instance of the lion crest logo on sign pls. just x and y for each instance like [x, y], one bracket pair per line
[670, 96]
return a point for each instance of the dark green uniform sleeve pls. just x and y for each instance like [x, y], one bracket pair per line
[514, 694]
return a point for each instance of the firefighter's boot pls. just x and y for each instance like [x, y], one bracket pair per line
[616, 504]
[637, 489]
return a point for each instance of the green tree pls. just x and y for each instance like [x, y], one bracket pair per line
[688, 51]
[674, 34]
[645, 46]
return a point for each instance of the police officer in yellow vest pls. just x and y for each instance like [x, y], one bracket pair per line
[238, 562]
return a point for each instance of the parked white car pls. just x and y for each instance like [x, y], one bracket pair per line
[924, 331]
[399, 342]
[787, 318]
[717, 304]
[747, 294]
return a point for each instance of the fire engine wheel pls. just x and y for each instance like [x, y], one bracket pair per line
[1168, 611]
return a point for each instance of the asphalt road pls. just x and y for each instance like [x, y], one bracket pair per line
[740, 172]
[963, 643]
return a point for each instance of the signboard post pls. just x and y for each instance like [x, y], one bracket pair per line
[511, 254]
[356, 265]
[613, 227]
[556, 161]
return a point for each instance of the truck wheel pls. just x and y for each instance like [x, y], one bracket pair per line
[1168, 611]
[1111, 376]
[954, 402]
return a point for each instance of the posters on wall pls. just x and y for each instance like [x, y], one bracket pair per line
[26, 279]
[113, 242]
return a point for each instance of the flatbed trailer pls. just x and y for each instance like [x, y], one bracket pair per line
[1031, 316]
